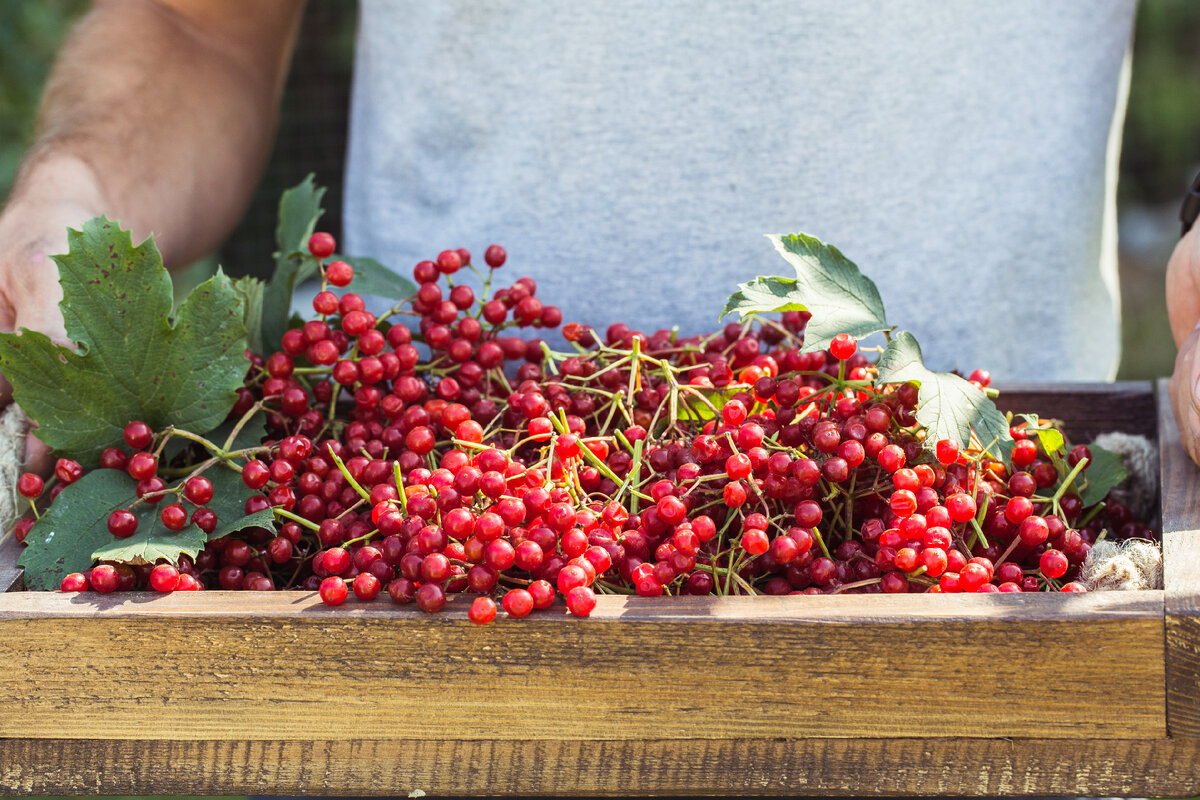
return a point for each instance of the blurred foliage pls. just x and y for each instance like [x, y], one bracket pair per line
[1161, 142]
[1161, 148]
[29, 35]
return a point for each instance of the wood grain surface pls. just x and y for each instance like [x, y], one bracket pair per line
[921, 767]
[213, 665]
[1181, 575]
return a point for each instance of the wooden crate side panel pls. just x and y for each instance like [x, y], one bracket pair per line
[734, 668]
[1181, 574]
[921, 767]
[1088, 409]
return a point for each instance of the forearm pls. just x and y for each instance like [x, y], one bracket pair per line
[160, 115]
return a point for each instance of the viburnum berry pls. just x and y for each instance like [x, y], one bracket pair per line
[74, 582]
[138, 435]
[30, 485]
[142, 466]
[255, 474]
[482, 611]
[174, 516]
[517, 603]
[122, 523]
[67, 471]
[104, 578]
[843, 346]
[321, 244]
[339, 273]
[495, 256]
[333, 591]
[1053, 564]
[198, 490]
[581, 601]
[164, 578]
[946, 451]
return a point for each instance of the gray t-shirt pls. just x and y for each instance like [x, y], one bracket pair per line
[630, 155]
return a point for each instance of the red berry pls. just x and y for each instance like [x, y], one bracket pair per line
[947, 451]
[142, 466]
[30, 485]
[517, 603]
[205, 519]
[483, 610]
[75, 582]
[138, 435]
[333, 591]
[122, 523]
[339, 273]
[67, 471]
[581, 601]
[321, 244]
[843, 346]
[366, 585]
[198, 490]
[495, 256]
[1053, 564]
[255, 474]
[104, 578]
[164, 578]
[449, 262]
[174, 516]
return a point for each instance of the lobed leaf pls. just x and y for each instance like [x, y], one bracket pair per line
[827, 284]
[947, 405]
[73, 531]
[131, 361]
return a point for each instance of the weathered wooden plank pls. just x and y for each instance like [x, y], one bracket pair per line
[922, 767]
[10, 573]
[1088, 409]
[1181, 574]
[217, 666]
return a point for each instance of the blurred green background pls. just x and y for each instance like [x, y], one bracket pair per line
[1161, 152]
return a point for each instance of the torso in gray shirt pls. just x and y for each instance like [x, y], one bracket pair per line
[630, 154]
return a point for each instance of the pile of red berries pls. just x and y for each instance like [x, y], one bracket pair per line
[449, 455]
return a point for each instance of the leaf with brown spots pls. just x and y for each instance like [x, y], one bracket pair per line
[132, 362]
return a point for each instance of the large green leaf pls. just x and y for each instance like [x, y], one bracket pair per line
[371, 277]
[73, 532]
[132, 363]
[827, 284]
[299, 211]
[947, 405]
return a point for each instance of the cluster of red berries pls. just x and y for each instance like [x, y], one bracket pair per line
[420, 461]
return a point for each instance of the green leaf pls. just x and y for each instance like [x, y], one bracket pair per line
[250, 289]
[73, 532]
[299, 211]
[62, 541]
[1106, 470]
[132, 363]
[371, 277]
[1051, 438]
[947, 405]
[828, 285]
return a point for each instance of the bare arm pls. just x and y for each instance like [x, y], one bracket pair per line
[159, 113]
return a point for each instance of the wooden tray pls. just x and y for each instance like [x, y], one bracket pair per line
[229, 693]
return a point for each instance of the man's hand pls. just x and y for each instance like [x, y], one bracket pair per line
[158, 113]
[1183, 309]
